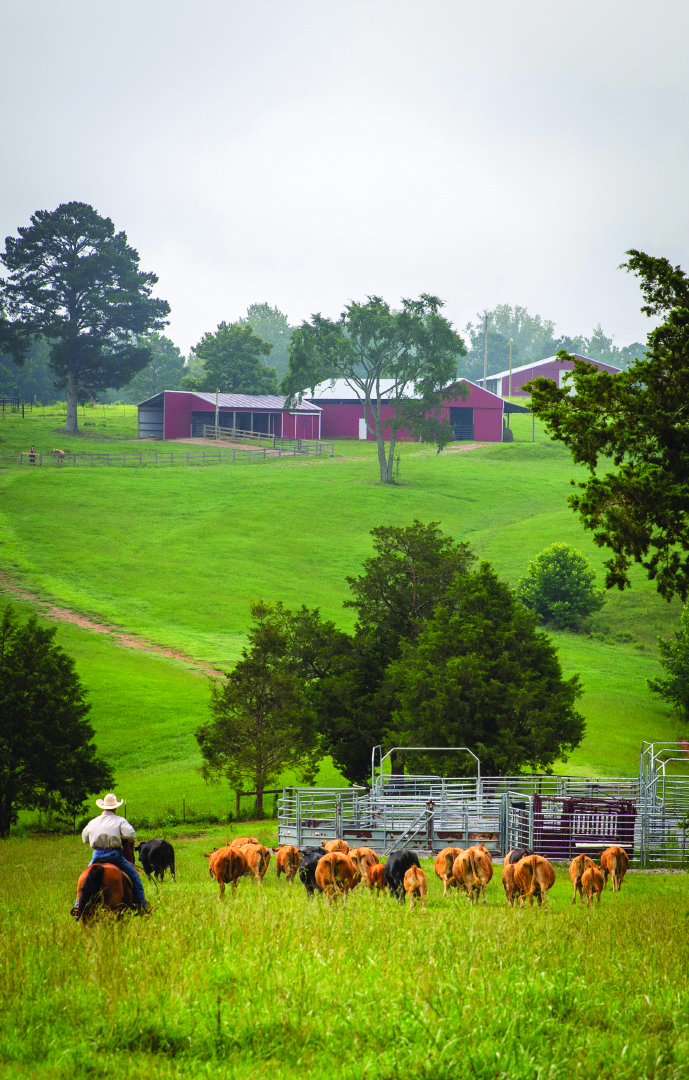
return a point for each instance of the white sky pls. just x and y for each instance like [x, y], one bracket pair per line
[308, 153]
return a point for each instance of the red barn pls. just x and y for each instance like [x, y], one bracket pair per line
[478, 418]
[181, 414]
[549, 368]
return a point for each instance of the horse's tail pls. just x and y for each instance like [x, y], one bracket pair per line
[91, 889]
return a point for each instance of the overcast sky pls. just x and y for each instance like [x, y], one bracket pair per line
[308, 153]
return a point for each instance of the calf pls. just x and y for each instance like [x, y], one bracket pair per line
[227, 866]
[310, 858]
[577, 867]
[444, 861]
[473, 869]
[376, 877]
[363, 858]
[615, 862]
[395, 869]
[533, 876]
[336, 845]
[157, 856]
[240, 841]
[592, 880]
[415, 885]
[287, 859]
[336, 874]
[257, 860]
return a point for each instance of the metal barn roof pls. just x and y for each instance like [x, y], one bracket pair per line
[340, 391]
[250, 402]
[548, 360]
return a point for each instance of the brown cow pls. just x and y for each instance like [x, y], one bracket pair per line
[508, 882]
[363, 858]
[534, 875]
[615, 862]
[257, 860]
[592, 880]
[415, 884]
[444, 861]
[240, 841]
[336, 845]
[473, 869]
[577, 867]
[287, 859]
[335, 874]
[376, 877]
[227, 866]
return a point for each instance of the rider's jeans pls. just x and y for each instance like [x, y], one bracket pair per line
[116, 857]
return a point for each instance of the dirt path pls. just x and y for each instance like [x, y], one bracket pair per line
[118, 635]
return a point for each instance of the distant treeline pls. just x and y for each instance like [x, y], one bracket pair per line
[532, 339]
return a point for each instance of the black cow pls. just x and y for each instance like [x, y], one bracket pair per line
[156, 856]
[307, 867]
[395, 869]
[519, 853]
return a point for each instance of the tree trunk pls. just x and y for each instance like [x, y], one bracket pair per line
[259, 798]
[71, 393]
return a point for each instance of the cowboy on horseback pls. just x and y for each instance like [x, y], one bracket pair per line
[105, 835]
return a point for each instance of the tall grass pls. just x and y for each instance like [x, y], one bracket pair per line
[272, 984]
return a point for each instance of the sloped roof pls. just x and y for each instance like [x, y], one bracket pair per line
[340, 390]
[238, 401]
[549, 360]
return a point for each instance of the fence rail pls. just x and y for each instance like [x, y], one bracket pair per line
[130, 459]
[262, 438]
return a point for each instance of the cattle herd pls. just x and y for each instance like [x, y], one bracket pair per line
[335, 869]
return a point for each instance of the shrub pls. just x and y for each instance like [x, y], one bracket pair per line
[559, 586]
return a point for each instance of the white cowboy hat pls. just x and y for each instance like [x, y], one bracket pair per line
[109, 802]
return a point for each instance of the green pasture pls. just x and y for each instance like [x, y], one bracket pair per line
[274, 984]
[178, 555]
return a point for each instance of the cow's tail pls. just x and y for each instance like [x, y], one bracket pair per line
[449, 864]
[475, 879]
[91, 889]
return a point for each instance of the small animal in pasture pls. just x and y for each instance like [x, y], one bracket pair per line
[287, 859]
[363, 858]
[592, 880]
[473, 869]
[240, 841]
[376, 878]
[257, 860]
[533, 876]
[416, 886]
[226, 865]
[59, 456]
[444, 861]
[395, 869]
[336, 874]
[157, 856]
[576, 870]
[614, 863]
[516, 854]
[310, 858]
[336, 845]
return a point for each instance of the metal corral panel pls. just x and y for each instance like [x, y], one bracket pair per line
[150, 423]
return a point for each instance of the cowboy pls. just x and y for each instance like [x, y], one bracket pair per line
[105, 834]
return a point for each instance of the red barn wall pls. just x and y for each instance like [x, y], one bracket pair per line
[544, 371]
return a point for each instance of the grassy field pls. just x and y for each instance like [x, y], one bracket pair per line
[277, 985]
[178, 554]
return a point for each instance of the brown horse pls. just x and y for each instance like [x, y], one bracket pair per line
[103, 886]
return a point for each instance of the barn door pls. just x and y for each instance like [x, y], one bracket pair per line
[462, 422]
[363, 430]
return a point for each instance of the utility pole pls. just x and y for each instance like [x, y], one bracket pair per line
[217, 395]
[485, 349]
[509, 391]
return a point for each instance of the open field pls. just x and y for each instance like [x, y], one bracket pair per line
[177, 556]
[276, 985]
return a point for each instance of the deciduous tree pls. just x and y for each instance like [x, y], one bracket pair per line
[405, 360]
[638, 423]
[77, 282]
[559, 586]
[47, 758]
[231, 359]
[481, 675]
[262, 721]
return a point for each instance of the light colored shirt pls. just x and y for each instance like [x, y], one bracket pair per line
[106, 832]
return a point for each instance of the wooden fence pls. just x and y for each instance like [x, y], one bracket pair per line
[221, 456]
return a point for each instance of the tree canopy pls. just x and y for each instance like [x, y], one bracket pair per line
[272, 325]
[77, 282]
[404, 360]
[262, 722]
[634, 424]
[47, 759]
[231, 359]
[559, 587]
[674, 659]
[164, 370]
[481, 675]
